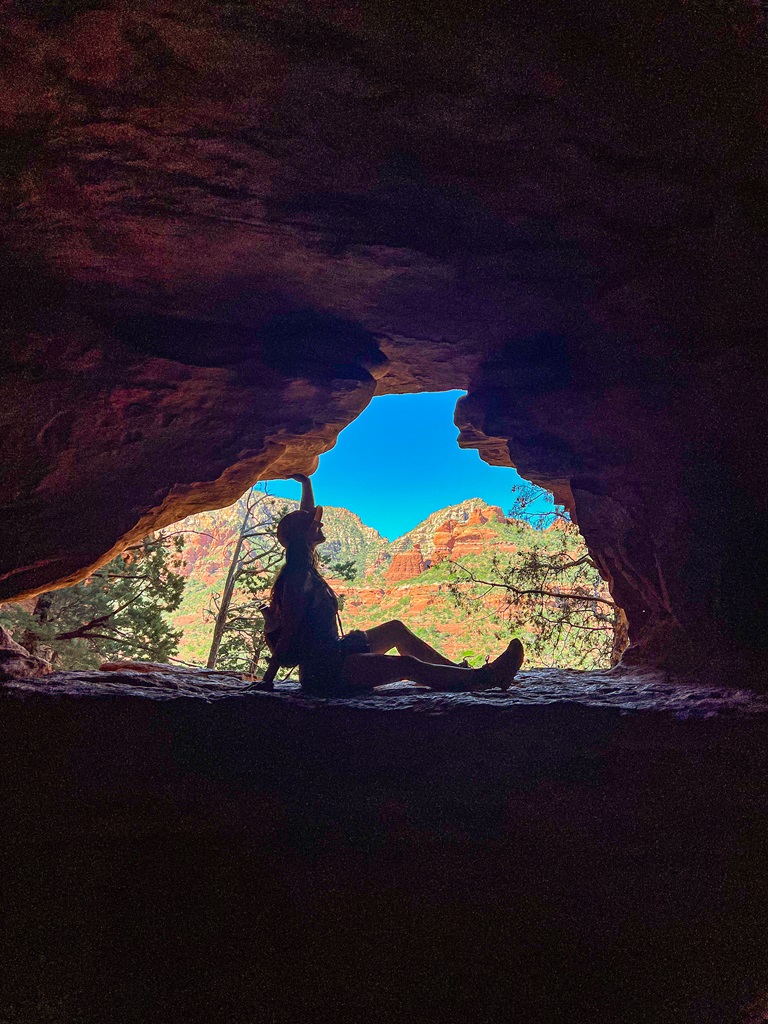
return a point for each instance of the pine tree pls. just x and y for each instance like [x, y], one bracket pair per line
[116, 613]
[553, 592]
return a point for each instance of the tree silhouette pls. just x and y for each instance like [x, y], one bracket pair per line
[238, 626]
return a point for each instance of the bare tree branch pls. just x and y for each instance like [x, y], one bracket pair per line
[532, 592]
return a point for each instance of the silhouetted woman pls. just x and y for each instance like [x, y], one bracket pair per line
[302, 622]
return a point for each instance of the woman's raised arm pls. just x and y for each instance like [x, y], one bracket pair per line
[307, 495]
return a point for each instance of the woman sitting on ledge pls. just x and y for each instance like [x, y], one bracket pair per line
[302, 625]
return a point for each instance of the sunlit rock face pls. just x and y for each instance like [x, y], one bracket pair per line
[226, 226]
[406, 564]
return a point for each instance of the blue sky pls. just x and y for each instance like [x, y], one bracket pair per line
[399, 461]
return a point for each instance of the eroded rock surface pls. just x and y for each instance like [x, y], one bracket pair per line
[18, 663]
[590, 847]
[625, 688]
[406, 564]
[226, 226]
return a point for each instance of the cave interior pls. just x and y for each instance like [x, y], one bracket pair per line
[224, 232]
[224, 228]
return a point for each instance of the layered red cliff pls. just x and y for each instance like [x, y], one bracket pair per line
[456, 540]
[405, 565]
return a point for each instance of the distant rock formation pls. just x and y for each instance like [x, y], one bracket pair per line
[382, 559]
[406, 564]
[426, 532]
[453, 539]
[209, 538]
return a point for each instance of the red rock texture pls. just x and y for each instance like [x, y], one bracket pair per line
[405, 565]
[444, 539]
[453, 539]
[363, 597]
[224, 227]
[472, 540]
[379, 561]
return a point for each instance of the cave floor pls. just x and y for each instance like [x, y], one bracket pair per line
[625, 688]
[588, 847]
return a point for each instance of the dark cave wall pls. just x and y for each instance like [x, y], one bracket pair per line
[109, 443]
[224, 226]
[664, 489]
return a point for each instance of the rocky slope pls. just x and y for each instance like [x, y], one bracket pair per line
[456, 529]
[425, 533]
[210, 536]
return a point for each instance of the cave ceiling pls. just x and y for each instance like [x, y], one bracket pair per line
[226, 226]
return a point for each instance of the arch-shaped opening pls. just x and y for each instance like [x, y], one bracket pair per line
[466, 554]
[575, 426]
[418, 528]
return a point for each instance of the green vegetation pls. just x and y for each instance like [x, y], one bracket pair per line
[119, 612]
[552, 591]
[523, 576]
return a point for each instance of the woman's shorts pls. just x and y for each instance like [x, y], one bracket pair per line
[324, 675]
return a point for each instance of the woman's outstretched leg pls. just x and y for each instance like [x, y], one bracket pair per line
[395, 635]
[365, 671]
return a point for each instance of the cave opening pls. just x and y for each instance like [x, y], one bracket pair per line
[467, 553]
[226, 298]
[418, 527]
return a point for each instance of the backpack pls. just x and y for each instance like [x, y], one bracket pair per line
[272, 634]
[273, 631]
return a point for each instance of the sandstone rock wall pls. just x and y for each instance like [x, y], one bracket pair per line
[428, 532]
[405, 565]
[223, 228]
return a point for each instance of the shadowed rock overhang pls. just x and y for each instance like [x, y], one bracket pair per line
[225, 227]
